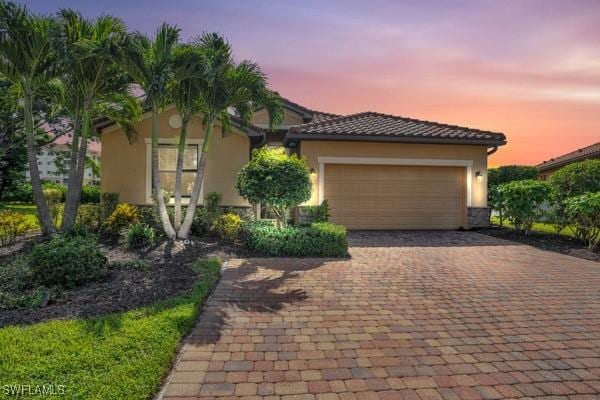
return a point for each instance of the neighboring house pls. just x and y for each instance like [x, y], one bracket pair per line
[377, 171]
[552, 165]
[53, 161]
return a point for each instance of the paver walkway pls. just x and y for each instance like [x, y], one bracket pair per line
[411, 315]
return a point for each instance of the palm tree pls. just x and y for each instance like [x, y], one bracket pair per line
[226, 86]
[188, 67]
[150, 64]
[91, 80]
[26, 60]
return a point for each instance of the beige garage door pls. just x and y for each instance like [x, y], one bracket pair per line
[395, 197]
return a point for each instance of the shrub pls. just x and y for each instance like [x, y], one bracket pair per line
[58, 187]
[522, 201]
[206, 216]
[576, 179]
[584, 211]
[276, 180]
[208, 264]
[319, 239]
[509, 173]
[138, 235]
[90, 194]
[67, 261]
[22, 193]
[89, 216]
[12, 225]
[16, 290]
[108, 202]
[318, 213]
[227, 226]
[149, 216]
[53, 197]
[123, 216]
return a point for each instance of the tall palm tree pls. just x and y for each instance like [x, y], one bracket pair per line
[150, 64]
[26, 60]
[188, 68]
[226, 86]
[91, 79]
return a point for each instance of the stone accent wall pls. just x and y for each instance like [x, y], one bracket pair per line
[478, 217]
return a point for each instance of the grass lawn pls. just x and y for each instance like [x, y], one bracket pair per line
[119, 356]
[29, 210]
[537, 227]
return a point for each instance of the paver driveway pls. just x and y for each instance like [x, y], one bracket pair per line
[410, 315]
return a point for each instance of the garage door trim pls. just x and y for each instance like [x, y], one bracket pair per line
[392, 161]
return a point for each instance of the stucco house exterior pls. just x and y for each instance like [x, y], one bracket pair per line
[377, 171]
[552, 165]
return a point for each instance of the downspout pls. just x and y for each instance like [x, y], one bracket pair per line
[493, 150]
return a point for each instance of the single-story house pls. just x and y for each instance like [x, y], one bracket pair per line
[552, 165]
[377, 171]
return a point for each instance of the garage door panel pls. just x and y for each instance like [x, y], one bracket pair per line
[395, 197]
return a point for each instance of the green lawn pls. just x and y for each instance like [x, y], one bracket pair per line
[120, 356]
[29, 210]
[537, 227]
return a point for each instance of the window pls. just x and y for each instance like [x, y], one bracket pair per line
[167, 163]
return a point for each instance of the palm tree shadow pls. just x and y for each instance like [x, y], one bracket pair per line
[254, 289]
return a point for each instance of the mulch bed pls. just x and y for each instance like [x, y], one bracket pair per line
[122, 289]
[545, 241]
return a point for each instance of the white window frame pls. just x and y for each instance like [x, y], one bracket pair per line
[468, 164]
[169, 141]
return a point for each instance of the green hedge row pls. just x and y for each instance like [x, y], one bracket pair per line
[319, 239]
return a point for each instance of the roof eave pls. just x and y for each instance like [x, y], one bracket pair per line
[296, 137]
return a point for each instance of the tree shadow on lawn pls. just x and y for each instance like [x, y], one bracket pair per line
[253, 290]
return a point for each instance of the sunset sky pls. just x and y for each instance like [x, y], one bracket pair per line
[530, 69]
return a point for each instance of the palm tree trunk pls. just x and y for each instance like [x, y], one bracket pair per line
[179, 173]
[68, 219]
[46, 222]
[156, 186]
[191, 208]
[75, 194]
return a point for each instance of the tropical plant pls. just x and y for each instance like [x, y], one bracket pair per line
[27, 61]
[150, 64]
[584, 211]
[123, 216]
[225, 86]
[275, 179]
[91, 85]
[138, 235]
[12, 225]
[227, 226]
[522, 201]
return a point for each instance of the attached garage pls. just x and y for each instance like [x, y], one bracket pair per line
[396, 196]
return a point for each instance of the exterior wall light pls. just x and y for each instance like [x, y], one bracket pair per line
[313, 172]
[479, 176]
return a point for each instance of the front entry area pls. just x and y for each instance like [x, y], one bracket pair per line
[396, 196]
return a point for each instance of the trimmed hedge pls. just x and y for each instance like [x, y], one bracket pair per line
[319, 239]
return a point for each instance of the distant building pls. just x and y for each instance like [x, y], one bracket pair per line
[552, 165]
[47, 158]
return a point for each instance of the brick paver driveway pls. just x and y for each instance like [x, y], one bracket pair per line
[410, 316]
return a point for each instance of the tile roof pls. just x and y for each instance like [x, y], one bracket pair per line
[592, 151]
[377, 126]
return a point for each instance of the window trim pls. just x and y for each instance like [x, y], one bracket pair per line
[169, 141]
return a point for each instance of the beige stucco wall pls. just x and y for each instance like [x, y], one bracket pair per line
[478, 154]
[124, 164]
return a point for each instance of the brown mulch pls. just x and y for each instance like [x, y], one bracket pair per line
[122, 289]
[545, 241]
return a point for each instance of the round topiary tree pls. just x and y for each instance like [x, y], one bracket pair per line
[275, 179]
[522, 201]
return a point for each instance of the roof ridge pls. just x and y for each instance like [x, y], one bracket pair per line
[565, 156]
[391, 116]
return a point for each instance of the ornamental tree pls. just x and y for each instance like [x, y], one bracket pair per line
[276, 180]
